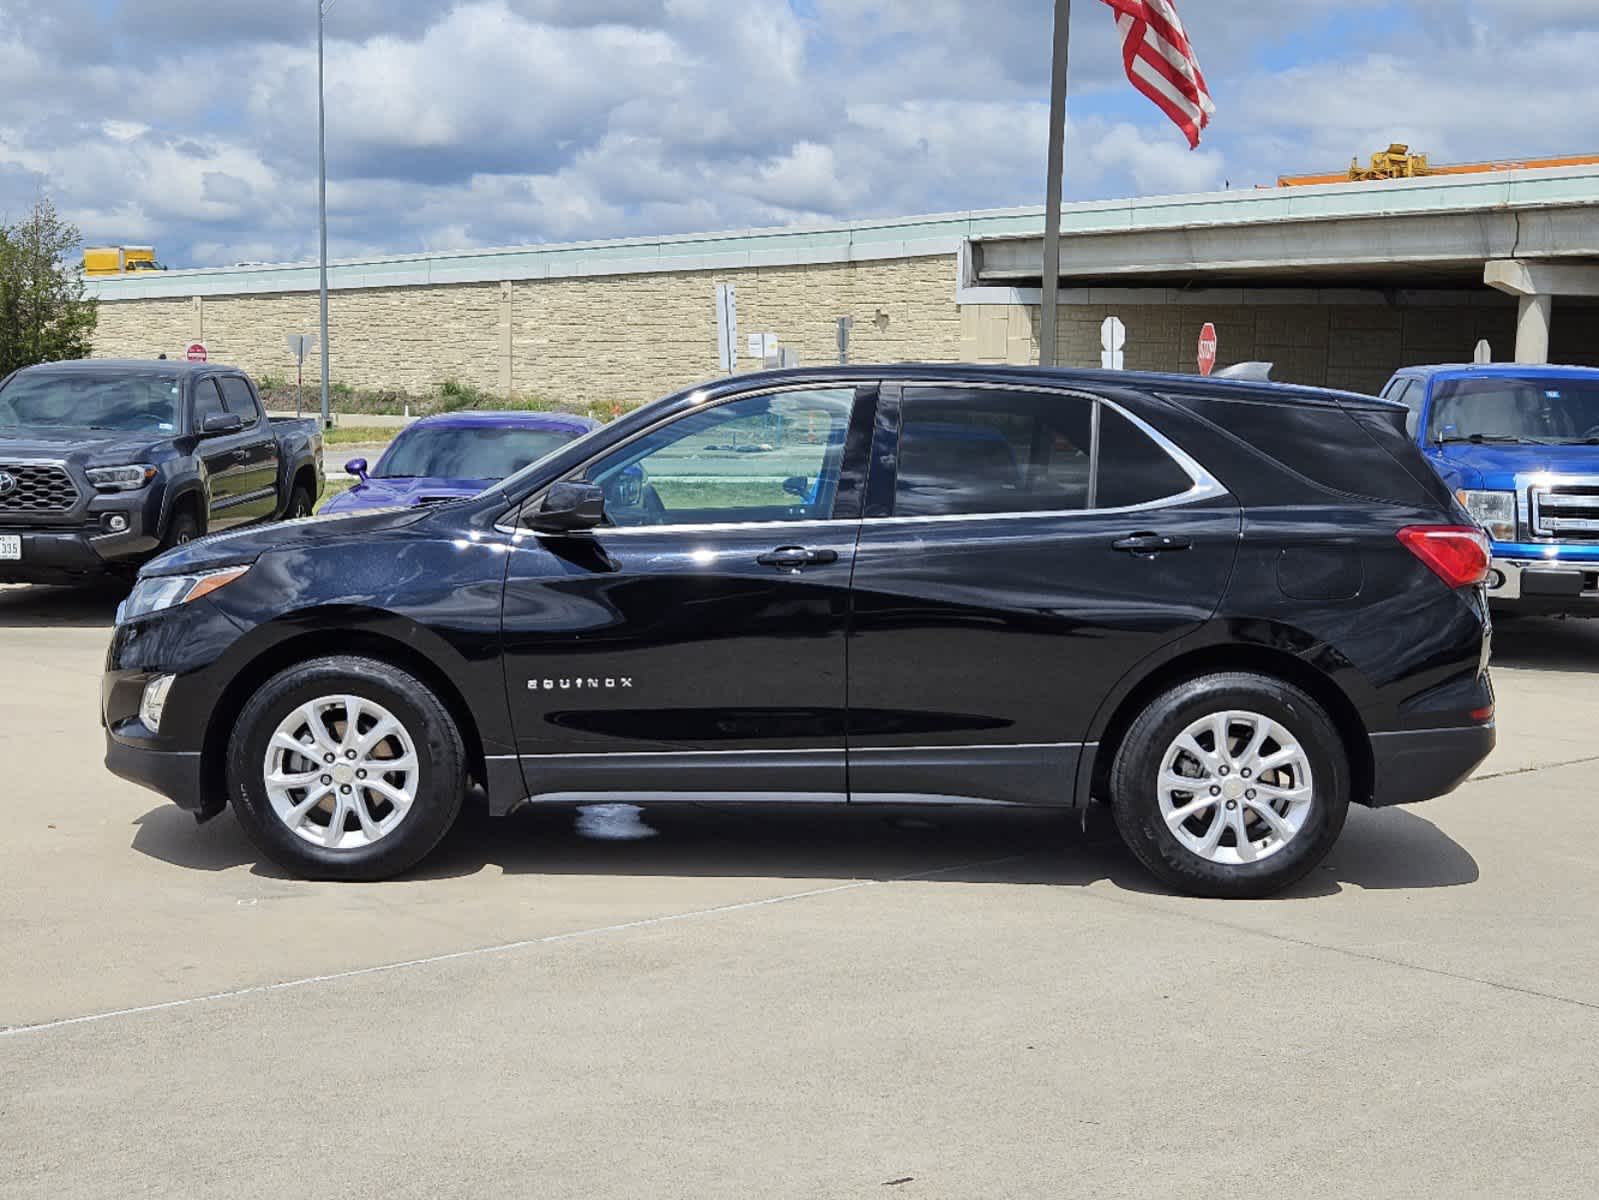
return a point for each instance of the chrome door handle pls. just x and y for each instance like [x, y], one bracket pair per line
[794, 557]
[1150, 543]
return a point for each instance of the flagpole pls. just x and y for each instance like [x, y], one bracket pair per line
[1057, 156]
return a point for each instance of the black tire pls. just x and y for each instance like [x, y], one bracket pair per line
[300, 503]
[183, 527]
[441, 758]
[1134, 789]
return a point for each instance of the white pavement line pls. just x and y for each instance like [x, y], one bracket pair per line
[1570, 762]
[483, 951]
[1364, 955]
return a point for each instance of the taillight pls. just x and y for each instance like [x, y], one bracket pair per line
[1457, 554]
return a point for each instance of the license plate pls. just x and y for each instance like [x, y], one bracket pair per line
[10, 546]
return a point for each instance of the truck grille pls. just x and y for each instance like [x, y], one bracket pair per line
[1566, 512]
[36, 488]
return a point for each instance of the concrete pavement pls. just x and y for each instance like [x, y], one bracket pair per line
[793, 1003]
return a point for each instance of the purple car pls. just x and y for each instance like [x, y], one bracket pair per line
[455, 455]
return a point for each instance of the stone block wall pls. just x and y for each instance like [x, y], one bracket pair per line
[623, 339]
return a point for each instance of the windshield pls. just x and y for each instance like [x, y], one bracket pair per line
[443, 452]
[1546, 411]
[127, 404]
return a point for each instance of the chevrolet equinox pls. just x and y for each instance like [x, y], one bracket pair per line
[1226, 609]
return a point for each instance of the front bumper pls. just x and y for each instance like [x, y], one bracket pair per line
[175, 774]
[1545, 584]
[1423, 764]
[56, 555]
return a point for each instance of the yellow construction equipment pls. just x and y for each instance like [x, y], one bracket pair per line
[119, 260]
[1397, 162]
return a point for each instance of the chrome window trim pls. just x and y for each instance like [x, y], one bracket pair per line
[807, 750]
[1205, 485]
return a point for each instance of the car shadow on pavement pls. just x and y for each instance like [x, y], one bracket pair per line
[1387, 849]
[1547, 644]
[32, 606]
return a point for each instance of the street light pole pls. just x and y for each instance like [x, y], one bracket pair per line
[322, 203]
[1057, 156]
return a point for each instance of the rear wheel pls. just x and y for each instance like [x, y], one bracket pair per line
[346, 768]
[1231, 785]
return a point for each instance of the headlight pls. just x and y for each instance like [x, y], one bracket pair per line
[169, 591]
[121, 479]
[1494, 511]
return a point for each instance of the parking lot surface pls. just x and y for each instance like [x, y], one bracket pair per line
[793, 1003]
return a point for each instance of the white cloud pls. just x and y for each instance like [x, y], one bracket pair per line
[191, 123]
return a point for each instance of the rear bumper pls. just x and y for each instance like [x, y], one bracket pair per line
[1423, 764]
[1544, 585]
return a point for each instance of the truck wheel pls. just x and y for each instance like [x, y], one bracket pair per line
[346, 768]
[183, 527]
[1233, 785]
[299, 503]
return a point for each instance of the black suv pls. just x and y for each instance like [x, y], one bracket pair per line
[1228, 609]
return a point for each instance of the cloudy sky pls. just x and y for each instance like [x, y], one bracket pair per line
[456, 123]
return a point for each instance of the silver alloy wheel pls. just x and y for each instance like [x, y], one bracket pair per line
[1235, 787]
[341, 772]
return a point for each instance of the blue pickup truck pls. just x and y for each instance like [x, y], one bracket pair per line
[1520, 445]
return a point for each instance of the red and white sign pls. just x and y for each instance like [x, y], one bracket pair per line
[195, 352]
[1207, 349]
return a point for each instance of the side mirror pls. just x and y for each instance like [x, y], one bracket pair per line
[219, 423]
[570, 508]
[356, 467]
[798, 485]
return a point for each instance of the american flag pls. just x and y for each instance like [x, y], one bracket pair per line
[1160, 63]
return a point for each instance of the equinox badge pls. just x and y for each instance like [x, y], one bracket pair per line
[551, 685]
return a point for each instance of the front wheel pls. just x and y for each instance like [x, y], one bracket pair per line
[300, 503]
[1232, 785]
[346, 768]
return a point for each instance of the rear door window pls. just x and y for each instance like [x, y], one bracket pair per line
[969, 451]
[1133, 470]
[975, 451]
[1410, 393]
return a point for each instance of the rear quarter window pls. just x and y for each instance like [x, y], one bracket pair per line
[1355, 452]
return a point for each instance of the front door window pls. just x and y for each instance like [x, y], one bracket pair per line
[774, 457]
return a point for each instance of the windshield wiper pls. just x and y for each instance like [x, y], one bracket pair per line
[1478, 439]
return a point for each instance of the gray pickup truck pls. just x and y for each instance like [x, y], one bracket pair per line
[104, 464]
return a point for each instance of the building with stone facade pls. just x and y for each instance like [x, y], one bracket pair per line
[1337, 285]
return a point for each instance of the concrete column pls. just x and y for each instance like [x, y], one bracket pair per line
[199, 319]
[1532, 328]
[507, 379]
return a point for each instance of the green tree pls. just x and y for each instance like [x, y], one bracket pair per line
[44, 316]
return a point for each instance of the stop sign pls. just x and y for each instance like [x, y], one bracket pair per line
[196, 352]
[1207, 349]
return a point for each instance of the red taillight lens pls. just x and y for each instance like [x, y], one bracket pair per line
[1457, 554]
